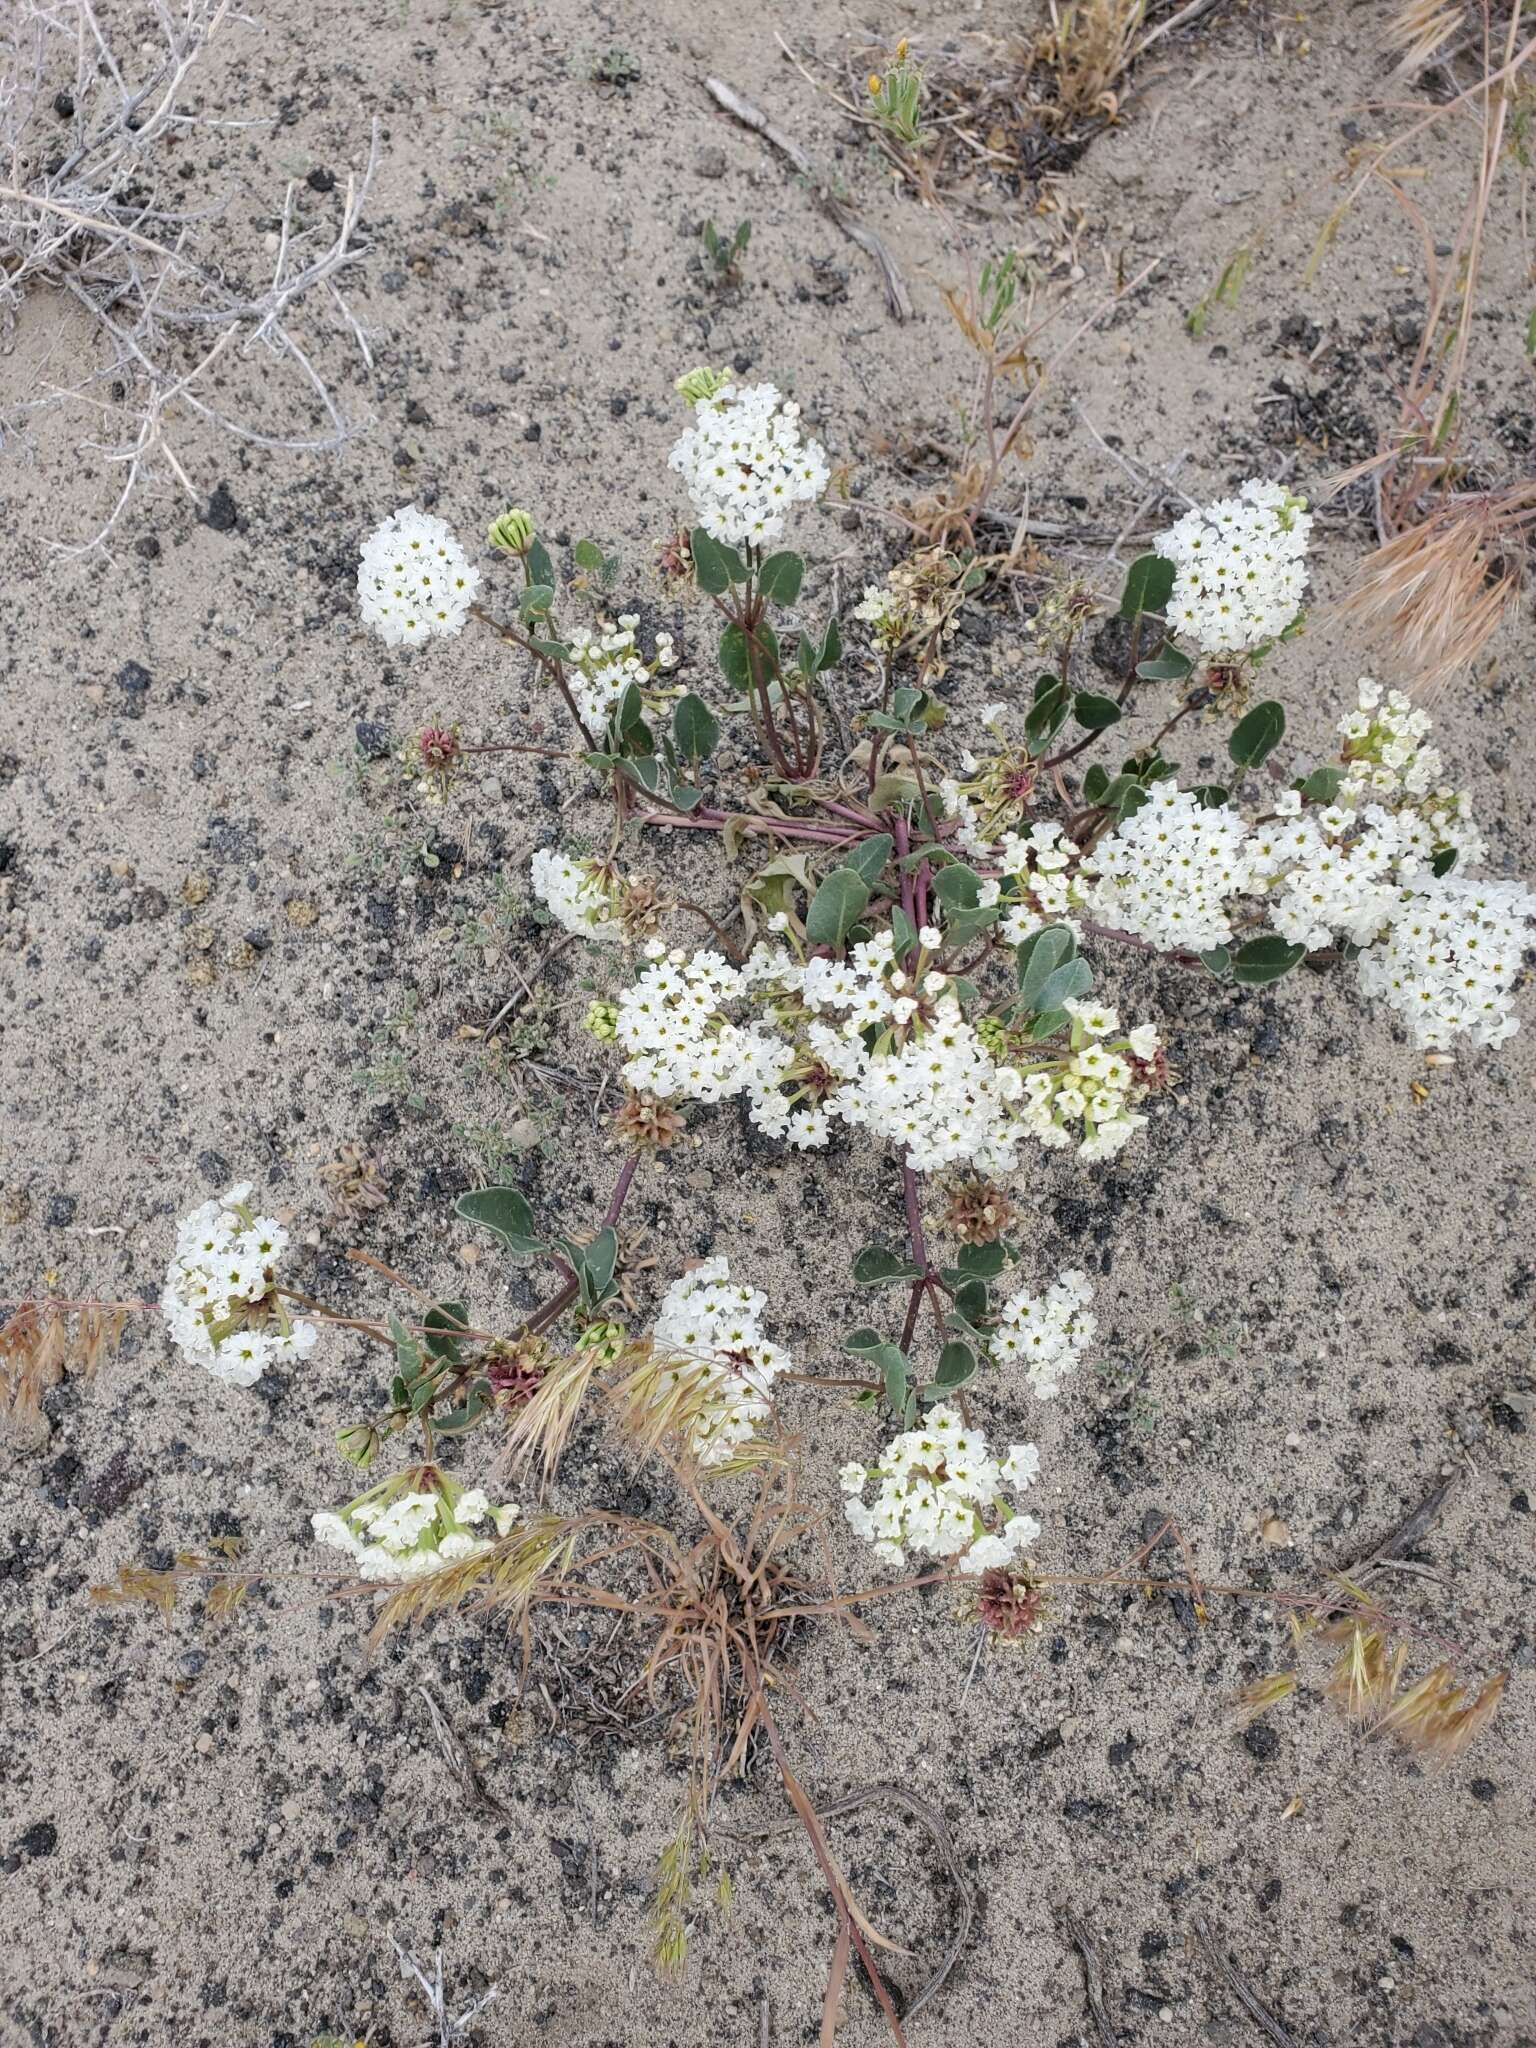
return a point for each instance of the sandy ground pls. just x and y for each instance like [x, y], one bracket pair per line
[1314, 1288]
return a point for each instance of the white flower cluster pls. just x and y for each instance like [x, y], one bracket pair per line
[940, 1491]
[397, 1532]
[414, 581]
[1049, 1332]
[218, 1302]
[881, 609]
[745, 464]
[1383, 744]
[708, 1335]
[579, 894]
[1168, 871]
[672, 1024]
[900, 1060]
[1086, 1097]
[1449, 958]
[1044, 866]
[602, 665]
[1241, 568]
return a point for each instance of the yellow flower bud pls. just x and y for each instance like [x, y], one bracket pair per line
[876, 85]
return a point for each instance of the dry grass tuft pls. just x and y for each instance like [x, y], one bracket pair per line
[1088, 51]
[1435, 1716]
[1434, 595]
[44, 1339]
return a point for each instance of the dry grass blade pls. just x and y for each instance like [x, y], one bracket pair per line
[1093, 1977]
[1435, 1717]
[1241, 1990]
[1421, 31]
[1089, 47]
[1257, 1699]
[460, 1765]
[542, 1427]
[1433, 596]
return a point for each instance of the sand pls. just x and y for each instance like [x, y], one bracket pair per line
[1313, 1284]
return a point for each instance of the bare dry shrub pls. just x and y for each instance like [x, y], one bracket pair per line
[89, 214]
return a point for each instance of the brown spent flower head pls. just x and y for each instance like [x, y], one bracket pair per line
[356, 1185]
[1156, 1074]
[646, 1122]
[1009, 1604]
[979, 1212]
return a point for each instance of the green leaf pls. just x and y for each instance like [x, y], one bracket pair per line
[903, 931]
[1257, 734]
[1322, 785]
[779, 578]
[961, 926]
[863, 1342]
[971, 1297]
[733, 658]
[646, 774]
[444, 1324]
[541, 567]
[695, 727]
[1066, 984]
[1095, 782]
[1168, 667]
[505, 1213]
[870, 856]
[1148, 586]
[831, 650]
[588, 556]
[876, 1266]
[629, 712]
[552, 650]
[985, 1260]
[535, 600]
[408, 1353]
[956, 1367]
[1210, 795]
[1096, 714]
[1265, 959]
[1038, 957]
[710, 570]
[592, 1264]
[476, 1403]
[957, 887]
[893, 1369]
[1048, 714]
[836, 907]
[1219, 961]
[1443, 861]
[891, 791]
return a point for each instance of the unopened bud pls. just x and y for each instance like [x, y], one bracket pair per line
[602, 1020]
[701, 383]
[512, 532]
[358, 1442]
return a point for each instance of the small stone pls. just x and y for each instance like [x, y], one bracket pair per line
[41, 1839]
[1261, 1741]
[60, 1212]
[205, 1745]
[321, 180]
[195, 889]
[300, 913]
[221, 514]
[710, 161]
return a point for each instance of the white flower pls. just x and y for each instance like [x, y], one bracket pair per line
[414, 581]
[941, 1492]
[1048, 1335]
[220, 1300]
[745, 464]
[581, 894]
[708, 1339]
[1171, 871]
[398, 1531]
[1240, 565]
